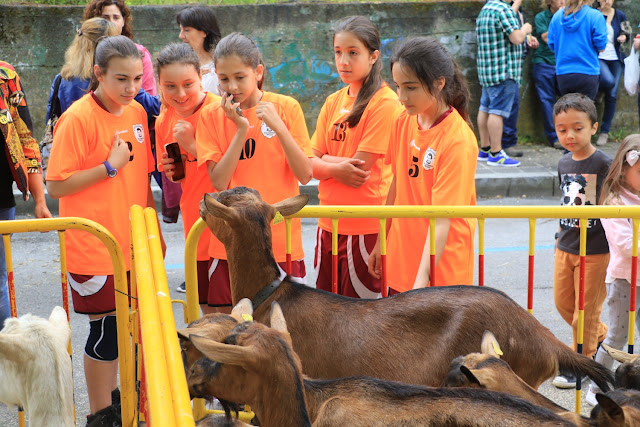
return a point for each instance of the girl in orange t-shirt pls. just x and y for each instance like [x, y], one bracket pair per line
[99, 167]
[256, 139]
[351, 139]
[433, 154]
[183, 99]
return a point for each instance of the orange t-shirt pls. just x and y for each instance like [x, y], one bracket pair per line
[436, 166]
[82, 139]
[335, 138]
[196, 181]
[263, 164]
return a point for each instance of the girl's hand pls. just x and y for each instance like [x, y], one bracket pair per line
[183, 131]
[119, 154]
[167, 164]
[230, 110]
[266, 112]
[375, 266]
[636, 42]
[622, 38]
[349, 173]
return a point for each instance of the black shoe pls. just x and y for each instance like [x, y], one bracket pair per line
[182, 288]
[513, 152]
[107, 417]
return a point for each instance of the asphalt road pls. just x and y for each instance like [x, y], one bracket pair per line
[36, 264]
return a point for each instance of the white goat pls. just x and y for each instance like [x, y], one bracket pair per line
[36, 369]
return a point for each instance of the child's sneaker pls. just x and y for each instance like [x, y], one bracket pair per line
[483, 155]
[590, 398]
[564, 380]
[502, 159]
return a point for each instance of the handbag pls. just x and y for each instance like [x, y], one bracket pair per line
[54, 115]
[631, 72]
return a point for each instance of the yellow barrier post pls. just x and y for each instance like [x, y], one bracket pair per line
[580, 337]
[383, 257]
[634, 278]
[334, 255]
[173, 359]
[158, 389]
[532, 242]
[481, 252]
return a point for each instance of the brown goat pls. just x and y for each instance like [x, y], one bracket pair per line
[390, 338]
[486, 370]
[617, 408]
[214, 326]
[627, 374]
[257, 365]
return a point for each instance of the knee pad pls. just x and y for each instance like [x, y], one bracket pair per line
[102, 343]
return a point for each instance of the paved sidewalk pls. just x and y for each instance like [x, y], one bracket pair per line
[537, 176]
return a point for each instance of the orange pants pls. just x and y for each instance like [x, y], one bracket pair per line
[566, 286]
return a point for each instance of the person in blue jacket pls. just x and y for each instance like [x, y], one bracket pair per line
[577, 33]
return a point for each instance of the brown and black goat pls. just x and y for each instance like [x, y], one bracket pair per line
[628, 373]
[487, 370]
[257, 365]
[391, 338]
[617, 408]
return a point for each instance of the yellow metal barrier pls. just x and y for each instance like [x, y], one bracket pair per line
[127, 377]
[166, 386]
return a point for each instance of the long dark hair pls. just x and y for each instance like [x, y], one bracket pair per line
[201, 18]
[112, 47]
[94, 8]
[366, 31]
[430, 61]
[244, 48]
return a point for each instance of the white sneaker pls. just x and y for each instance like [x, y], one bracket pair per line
[590, 398]
[602, 139]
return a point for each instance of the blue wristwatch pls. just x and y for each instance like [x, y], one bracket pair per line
[111, 172]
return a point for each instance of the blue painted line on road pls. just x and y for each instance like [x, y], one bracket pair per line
[173, 266]
[516, 248]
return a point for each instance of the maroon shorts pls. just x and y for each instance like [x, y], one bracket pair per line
[354, 279]
[203, 281]
[219, 294]
[93, 294]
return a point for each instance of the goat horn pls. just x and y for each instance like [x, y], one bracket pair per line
[620, 356]
[217, 209]
[223, 353]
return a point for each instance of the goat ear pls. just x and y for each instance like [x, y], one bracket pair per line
[291, 205]
[620, 356]
[470, 375]
[243, 308]
[217, 209]
[611, 408]
[489, 345]
[277, 318]
[224, 353]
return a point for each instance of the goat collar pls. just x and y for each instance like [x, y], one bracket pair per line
[268, 290]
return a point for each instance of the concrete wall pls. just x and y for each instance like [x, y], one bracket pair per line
[295, 39]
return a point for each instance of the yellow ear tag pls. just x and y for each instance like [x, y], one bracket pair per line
[496, 348]
[278, 218]
[247, 317]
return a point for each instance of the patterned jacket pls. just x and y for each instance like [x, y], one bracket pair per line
[21, 149]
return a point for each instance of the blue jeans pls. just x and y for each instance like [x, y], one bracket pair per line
[544, 78]
[610, 72]
[498, 99]
[510, 125]
[5, 307]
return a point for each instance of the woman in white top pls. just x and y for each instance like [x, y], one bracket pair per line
[611, 61]
[199, 28]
